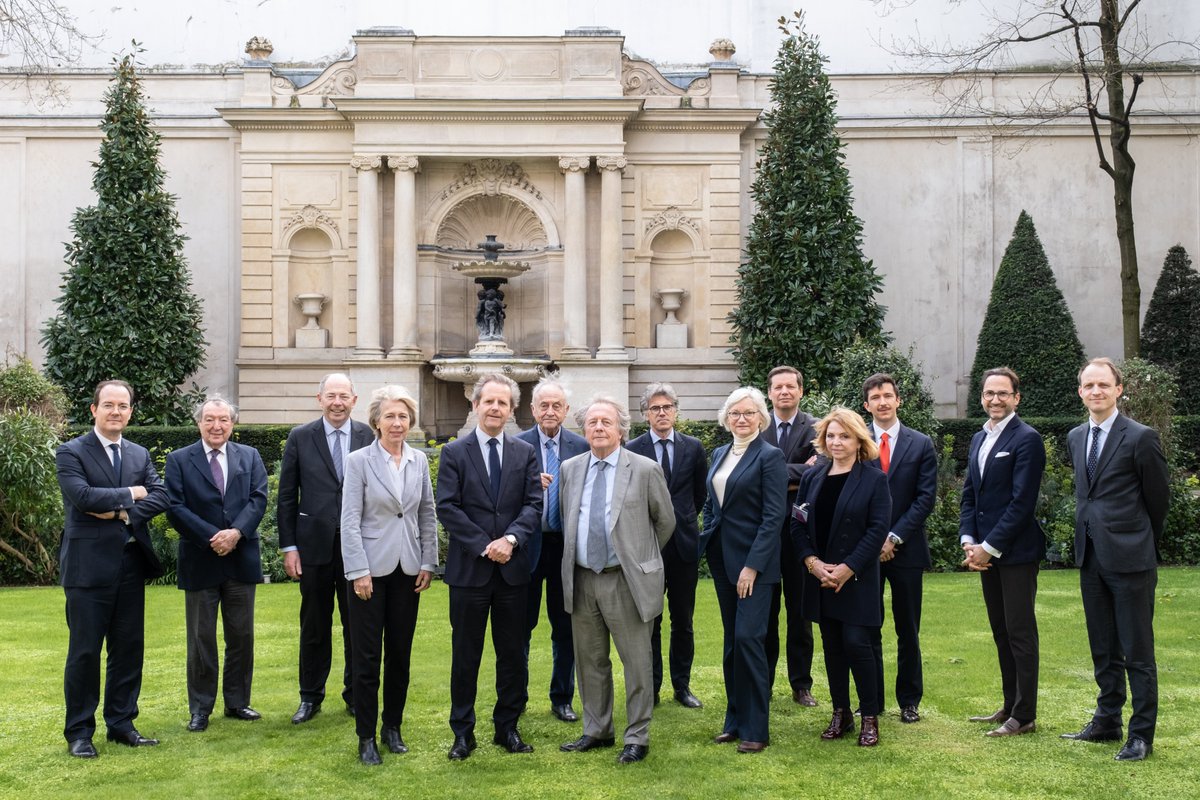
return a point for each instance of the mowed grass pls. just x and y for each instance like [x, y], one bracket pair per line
[943, 755]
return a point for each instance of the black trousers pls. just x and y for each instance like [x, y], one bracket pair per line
[235, 601]
[850, 650]
[906, 618]
[321, 586]
[562, 648]
[681, 578]
[382, 628]
[111, 617]
[788, 593]
[1009, 593]
[1119, 610]
[744, 657]
[470, 607]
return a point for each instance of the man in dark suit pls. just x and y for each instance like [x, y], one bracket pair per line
[1122, 492]
[909, 460]
[309, 514]
[110, 492]
[685, 467]
[1003, 541]
[792, 431]
[218, 494]
[489, 499]
[554, 445]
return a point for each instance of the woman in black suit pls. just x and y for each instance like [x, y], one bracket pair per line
[838, 526]
[747, 487]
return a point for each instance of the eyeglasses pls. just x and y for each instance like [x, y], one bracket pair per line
[990, 395]
[743, 414]
[667, 409]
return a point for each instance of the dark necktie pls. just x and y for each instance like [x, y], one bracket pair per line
[116, 450]
[597, 548]
[553, 517]
[1093, 452]
[885, 452]
[218, 475]
[494, 467]
[784, 427]
[336, 452]
[666, 459]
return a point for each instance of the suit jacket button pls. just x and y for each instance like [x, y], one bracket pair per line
[401, 515]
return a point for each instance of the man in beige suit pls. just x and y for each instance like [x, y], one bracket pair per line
[617, 515]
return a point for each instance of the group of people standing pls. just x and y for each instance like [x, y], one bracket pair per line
[809, 515]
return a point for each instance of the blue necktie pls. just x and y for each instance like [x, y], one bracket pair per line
[494, 467]
[597, 547]
[1093, 452]
[116, 448]
[336, 452]
[553, 517]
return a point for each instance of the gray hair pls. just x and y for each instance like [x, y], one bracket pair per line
[385, 394]
[738, 395]
[655, 389]
[496, 377]
[549, 382]
[623, 418]
[213, 399]
[326, 379]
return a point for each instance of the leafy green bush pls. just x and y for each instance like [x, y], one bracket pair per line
[1149, 398]
[941, 527]
[1170, 333]
[1180, 542]
[863, 360]
[1056, 504]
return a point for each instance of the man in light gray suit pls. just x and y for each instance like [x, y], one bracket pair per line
[617, 515]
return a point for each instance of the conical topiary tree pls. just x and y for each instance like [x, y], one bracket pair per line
[127, 310]
[1029, 328]
[1171, 329]
[805, 291]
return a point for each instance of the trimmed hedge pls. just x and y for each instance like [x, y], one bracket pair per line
[162, 439]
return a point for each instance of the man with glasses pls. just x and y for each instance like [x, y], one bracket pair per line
[685, 465]
[1003, 541]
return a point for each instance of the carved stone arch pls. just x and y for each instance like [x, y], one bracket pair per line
[519, 190]
[671, 219]
[310, 217]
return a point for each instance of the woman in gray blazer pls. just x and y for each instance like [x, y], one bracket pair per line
[389, 549]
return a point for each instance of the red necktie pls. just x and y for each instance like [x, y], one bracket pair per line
[885, 455]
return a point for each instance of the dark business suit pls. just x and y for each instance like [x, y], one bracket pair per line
[308, 510]
[103, 574]
[743, 531]
[789, 590]
[545, 554]
[688, 485]
[198, 511]
[473, 518]
[912, 484]
[1119, 516]
[998, 508]
[851, 617]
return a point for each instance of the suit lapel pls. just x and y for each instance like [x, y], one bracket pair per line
[97, 452]
[200, 462]
[321, 444]
[1111, 443]
[475, 456]
[752, 453]
[848, 490]
[622, 476]
[900, 448]
[360, 437]
[1005, 437]
[379, 466]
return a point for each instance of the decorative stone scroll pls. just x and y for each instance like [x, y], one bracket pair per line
[671, 219]
[338, 80]
[491, 174]
[310, 217]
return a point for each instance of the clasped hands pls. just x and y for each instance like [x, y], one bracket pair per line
[976, 558]
[223, 542]
[831, 576]
[499, 550]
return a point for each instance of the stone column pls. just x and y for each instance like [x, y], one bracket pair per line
[612, 306]
[404, 260]
[574, 282]
[369, 344]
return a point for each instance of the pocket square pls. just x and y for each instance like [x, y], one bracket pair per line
[1003, 454]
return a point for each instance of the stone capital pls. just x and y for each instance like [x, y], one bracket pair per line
[404, 163]
[574, 163]
[366, 163]
[611, 162]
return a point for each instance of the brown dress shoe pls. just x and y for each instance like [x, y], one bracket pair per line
[994, 717]
[724, 737]
[804, 697]
[869, 735]
[751, 747]
[840, 724]
[909, 714]
[1013, 728]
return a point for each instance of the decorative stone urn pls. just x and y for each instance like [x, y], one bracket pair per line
[259, 48]
[312, 334]
[722, 50]
[671, 332]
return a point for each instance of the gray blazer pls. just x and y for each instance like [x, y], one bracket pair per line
[380, 528]
[642, 520]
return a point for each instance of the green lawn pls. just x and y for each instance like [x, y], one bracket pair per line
[942, 755]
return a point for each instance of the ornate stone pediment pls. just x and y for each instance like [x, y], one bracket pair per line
[310, 217]
[491, 174]
[671, 219]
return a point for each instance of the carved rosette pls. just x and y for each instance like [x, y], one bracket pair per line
[611, 162]
[671, 219]
[366, 163]
[310, 217]
[491, 174]
[574, 163]
[404, 163]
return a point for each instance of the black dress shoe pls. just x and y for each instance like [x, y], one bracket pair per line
[244, 713]
[462, 747]
[909, 714]
[633, 753]
[512, 742]
[1096, 732]
[305, 712]
[804, 697]
[724, 737]
[1135, 750]
[198, 723]
[82, 748]
[392, 740]
[585, 743]
[565, 713]
[368, 753]
[131, 738]
[686, 699]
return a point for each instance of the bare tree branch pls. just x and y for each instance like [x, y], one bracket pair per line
[40, 34]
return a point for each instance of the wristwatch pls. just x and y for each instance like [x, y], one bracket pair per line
[508, 537]
[894, 539]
